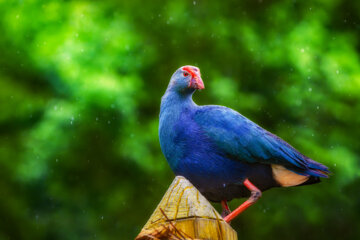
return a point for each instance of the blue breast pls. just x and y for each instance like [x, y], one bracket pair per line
[191, 154]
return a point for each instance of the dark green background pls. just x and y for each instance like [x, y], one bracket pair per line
[80, 88]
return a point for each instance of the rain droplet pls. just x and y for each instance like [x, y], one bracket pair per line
[317, 107]
[102, 217]
[302, 50]
[194, 2]
[310, 89]
[337, 71]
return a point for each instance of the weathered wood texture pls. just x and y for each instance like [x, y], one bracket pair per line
[184, 213]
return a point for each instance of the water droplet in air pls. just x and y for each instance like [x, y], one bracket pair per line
[194, 2]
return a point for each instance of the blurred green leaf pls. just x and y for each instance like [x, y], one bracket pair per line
[80, 87]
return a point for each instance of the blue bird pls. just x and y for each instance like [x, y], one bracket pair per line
[224, 154]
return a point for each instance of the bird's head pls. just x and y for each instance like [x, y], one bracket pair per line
[186, 80]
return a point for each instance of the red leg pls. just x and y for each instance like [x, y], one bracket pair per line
[225, 208]
[255, 195]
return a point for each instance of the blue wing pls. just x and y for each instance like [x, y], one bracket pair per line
[243, 140]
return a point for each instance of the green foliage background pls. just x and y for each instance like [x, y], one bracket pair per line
[80, 87]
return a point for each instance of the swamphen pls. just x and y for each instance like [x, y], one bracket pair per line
[224, 154]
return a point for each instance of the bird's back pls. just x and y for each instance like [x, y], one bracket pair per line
[243, 139]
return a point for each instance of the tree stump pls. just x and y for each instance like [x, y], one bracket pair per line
[183, 213]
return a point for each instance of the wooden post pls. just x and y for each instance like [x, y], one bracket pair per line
[183, 213]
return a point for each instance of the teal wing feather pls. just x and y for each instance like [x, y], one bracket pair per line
[243, 140]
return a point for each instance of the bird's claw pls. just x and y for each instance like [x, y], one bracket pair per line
[225, 212]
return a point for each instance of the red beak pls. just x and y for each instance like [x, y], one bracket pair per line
[196, 81]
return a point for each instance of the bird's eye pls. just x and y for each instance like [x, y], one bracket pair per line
[185, 74]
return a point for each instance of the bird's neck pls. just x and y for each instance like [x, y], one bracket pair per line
[176, 102]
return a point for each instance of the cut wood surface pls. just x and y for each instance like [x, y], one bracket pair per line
[183, 213]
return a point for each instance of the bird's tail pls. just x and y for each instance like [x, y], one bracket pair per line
[316, 169]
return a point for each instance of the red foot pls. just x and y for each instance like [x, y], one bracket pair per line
[255, 195]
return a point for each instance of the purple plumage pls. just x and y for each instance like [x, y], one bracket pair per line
[224, 154]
